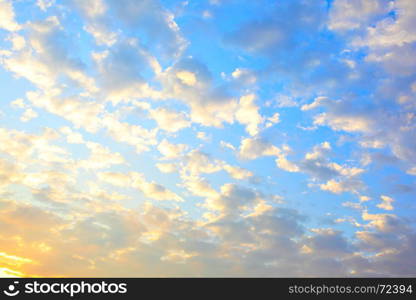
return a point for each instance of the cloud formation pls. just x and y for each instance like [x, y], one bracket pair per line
[137, 139]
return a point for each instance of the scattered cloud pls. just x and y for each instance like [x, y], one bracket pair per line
[277, 143]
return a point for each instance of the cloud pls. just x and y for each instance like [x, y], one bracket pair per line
[170, 120]
[137, 136]
[376, 127]
[100, 157]
[83, 114]
[252, 148]
[210, 105]
[232, 199]
[167, 167]
[412, 171]
[390, 39]
[199, 187]
[152, 20]
[386, 203]
[28, 115]
[136, 180]
[115, 151]
[275, 31]
[101, 34]
[339, 178]
[318, 165]
[186, 77]
[328, 242]
[346, 122]
[95, 9]
[245, 76]
[45, 4]
[237, 172]
[169, 150]
[276, 34]
[316, 103]
[261, 244]
[198, 162]
[7, 16]
[44, 50]
[121, 70]
[350, 15]
[284, 164]
[342, 186]
[384, 222]
[9, 173]
[247, 113]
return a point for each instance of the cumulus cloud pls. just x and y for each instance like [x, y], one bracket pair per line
[386, 203]
[169, 120]
[210, 105]
[131, 145]
[7, 16]
[169, 150]
[252, 148]
[247, 113]
[101, 157]
[136, 180]
[45, 4]
[316, 103]
[350, 15]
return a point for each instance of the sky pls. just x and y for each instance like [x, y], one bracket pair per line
[212, 138]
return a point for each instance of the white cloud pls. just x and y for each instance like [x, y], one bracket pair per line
[338, 187]
[83, 114]
[316, 103]
[28, 115]
[199, 187]
[186, 77]
[252, 148]
[169, 150]
[167, 167]
[210, 105]
[386, 203]
[383, 222]
[136, 180]
[101, 34]
[7, 16]
[197, 162]
[286, 165]
[121, 71]
[353, 14]
[18, 41]
[79, 185]
[170, 120]
[412, 171]
[94, 8]
[227, 145]
[364, 198]
[134, 135]
[350, 123]
[71, 136]
[45, 4]
[244, 76]
[237, 172]
[100, 157]
[42, 51]
[247, 113]
[274, 119]
[233, 199]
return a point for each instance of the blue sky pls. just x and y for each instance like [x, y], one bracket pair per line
[207, 138]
